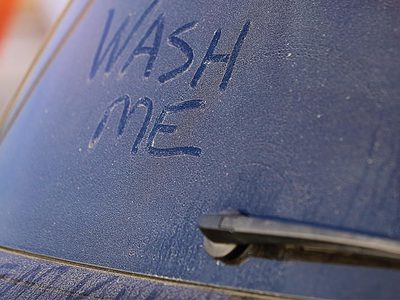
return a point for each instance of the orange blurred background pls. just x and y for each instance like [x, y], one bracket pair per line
[23, 27]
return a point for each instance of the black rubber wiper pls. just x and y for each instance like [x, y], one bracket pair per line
[232, 237]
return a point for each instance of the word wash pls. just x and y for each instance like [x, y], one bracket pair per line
[112, 46]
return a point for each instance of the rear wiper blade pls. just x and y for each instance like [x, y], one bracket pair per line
[232, 237]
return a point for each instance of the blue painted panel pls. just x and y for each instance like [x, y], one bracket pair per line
[26, 277]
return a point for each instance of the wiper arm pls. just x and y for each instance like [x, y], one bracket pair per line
[232, 237]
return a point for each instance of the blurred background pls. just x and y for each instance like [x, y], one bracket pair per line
[24, 25]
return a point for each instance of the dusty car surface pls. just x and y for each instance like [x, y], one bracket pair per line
[206, 149]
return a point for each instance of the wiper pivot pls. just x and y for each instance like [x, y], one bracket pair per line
[233, 237]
